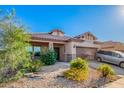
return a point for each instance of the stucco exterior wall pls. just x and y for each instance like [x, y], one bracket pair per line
[76, 49]
[70, 51]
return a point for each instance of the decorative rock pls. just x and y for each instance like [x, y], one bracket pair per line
[62, 76]
[28, 74]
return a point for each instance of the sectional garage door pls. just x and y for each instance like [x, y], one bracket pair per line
[87, 53]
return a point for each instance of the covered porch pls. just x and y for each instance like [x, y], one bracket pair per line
[39, 47]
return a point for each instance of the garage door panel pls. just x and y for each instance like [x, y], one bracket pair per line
[87, 53]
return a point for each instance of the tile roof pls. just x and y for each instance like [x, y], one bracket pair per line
[46, 36]
[83, 34]
[113, 45]
[49, 36]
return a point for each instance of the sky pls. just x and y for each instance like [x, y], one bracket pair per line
[105, 22]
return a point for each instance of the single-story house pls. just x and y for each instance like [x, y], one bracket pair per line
[66, 47]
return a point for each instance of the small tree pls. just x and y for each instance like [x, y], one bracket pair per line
[12, 43]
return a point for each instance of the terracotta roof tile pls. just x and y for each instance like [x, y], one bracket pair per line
[46, 36]
[85, 34]
[112, 44]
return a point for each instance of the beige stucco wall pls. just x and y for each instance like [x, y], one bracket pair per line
[87, 46]
[70, 51]
[69, 48]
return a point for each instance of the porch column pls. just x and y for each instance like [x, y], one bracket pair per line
[50, 45]
[41, 49]
[32, 51]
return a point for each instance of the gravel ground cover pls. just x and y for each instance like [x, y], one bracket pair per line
[52, 77]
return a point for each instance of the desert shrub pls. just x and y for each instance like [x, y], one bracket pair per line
[33, 66]
[76, 74]
[6, 74]
[78, 70]
[79, 63]
[19, 74]
[49, 57]
[106, 70]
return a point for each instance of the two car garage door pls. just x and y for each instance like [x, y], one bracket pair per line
[86, 53]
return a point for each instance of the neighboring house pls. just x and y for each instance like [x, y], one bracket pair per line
[67, 48]
[111, 45]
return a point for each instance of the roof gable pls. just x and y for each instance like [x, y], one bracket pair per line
[86, 36]
[57, 32]
[59, 36]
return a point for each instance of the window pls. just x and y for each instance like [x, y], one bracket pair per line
[37, 51]
[82, 36]
[108, 53]
[105, 52]
[116, 55]
[29, 49]
[101, 52]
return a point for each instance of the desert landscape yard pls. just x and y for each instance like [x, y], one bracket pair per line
[52, 77]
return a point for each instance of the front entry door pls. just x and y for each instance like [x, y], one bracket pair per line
[57, 52]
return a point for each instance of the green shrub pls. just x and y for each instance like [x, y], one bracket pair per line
[49, 58]
[36, 65]
[78, 70]
[19, 74]
[106, 70]
[76, 74]
[79, 63]
[7, 74]
[32, 66]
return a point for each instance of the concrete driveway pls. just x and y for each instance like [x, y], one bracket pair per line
[118, 70]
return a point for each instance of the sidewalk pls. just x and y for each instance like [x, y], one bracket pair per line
[116, 84]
